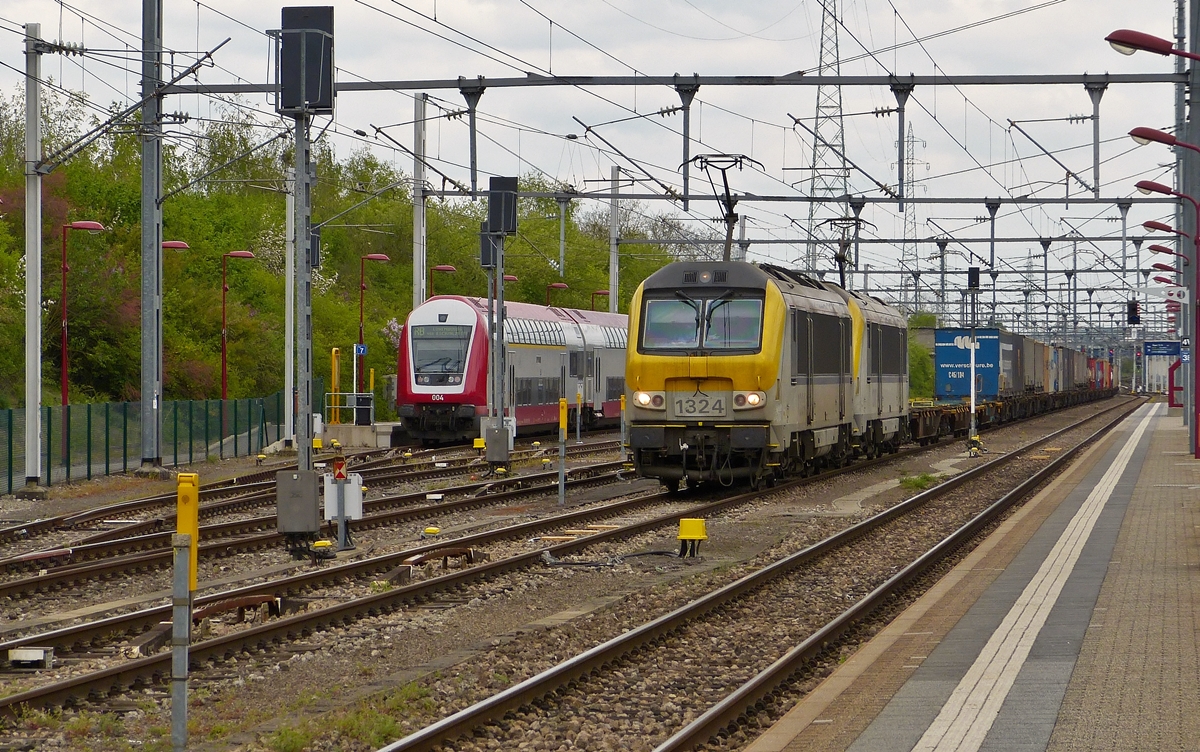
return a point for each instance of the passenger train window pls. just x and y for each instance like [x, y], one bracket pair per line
[614, 388]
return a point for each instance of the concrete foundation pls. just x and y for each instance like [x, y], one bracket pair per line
[379, 435]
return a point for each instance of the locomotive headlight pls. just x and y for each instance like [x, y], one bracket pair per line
[748, 400]
[649, 400]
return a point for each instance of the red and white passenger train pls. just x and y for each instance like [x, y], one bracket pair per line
[443, 367]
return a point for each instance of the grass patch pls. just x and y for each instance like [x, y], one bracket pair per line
[412, 698]
[920, 482]
[369, 725]
[38, 720]
[291, 739]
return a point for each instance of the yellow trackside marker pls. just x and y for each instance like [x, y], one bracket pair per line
[187, 519]
[691, 532]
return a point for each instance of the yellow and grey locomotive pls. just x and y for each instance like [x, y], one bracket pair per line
[737, 371]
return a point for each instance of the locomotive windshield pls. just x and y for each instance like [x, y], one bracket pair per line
[437, 350]
[687, 323]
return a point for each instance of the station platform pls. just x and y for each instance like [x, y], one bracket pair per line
[1072, 627]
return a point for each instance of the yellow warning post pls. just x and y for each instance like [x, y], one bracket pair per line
[187, 520]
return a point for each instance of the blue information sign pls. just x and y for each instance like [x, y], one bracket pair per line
[1185, 356]
[1170, 348]
[360, 349]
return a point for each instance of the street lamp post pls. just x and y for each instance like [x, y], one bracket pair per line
[362, 289]
[598, 294]
[1127, 41]
[554, 286]
[90, 226]
[224, 333]
[1149, 186]
[1167, 251]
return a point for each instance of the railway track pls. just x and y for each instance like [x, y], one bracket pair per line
[153, 550]
[679, 648]
[142, 671]
[229, 497]
[255, 489]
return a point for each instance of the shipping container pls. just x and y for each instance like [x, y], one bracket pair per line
[999, 363]
[1036, 365]
[1079, 373]
[1054, 369]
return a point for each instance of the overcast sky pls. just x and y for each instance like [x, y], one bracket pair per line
[964, 144]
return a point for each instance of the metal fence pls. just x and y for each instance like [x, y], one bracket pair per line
[84, 441]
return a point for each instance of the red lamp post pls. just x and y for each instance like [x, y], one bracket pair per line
[224, 332]
[554, 286]
[90, 226]
[444, 268]
[362, 289]
[598, 294]
[1127, 42]
[1149, 186]
[1168, 252]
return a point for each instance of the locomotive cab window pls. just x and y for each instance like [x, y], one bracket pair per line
[671, 325]
[733, 324]
[439, 352]
[724, 322]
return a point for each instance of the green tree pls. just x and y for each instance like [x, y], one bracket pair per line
[241, 207]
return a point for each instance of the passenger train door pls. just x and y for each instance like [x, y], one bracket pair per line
[877, 363]
[844, 359]
[589, 384]
[802, 359]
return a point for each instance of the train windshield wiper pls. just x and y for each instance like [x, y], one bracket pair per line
[712, 308]
[714, 305]
[432, 363]
[695, 307]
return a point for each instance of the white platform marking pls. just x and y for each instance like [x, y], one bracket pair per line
[971, 710]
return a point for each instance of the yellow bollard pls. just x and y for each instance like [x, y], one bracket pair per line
[622, 423]
[691, 531]
[187, 520]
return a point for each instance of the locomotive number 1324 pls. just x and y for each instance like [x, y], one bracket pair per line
[711, 407]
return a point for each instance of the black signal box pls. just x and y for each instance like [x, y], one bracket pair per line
[306, 60]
